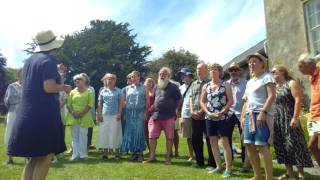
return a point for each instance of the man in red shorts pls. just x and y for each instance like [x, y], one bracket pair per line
[167, 100]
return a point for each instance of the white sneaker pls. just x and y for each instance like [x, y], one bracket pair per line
[210, 168]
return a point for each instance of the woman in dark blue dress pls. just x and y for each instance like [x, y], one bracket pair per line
[38, 131]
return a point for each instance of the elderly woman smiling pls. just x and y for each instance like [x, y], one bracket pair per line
[109, 110]
[79, 103]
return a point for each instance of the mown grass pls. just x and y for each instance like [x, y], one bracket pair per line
[96, 169]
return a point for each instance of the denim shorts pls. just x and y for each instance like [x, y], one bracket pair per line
[260, 137]
[218, 128]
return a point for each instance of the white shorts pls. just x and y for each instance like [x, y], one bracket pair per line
[313, 127]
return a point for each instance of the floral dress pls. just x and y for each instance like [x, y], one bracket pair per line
[289, 143]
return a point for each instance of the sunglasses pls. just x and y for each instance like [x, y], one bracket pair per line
[233, 70]
[77, 80]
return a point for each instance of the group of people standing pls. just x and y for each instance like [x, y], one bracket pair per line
[265, 108]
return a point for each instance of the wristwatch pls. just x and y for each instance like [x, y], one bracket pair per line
[264, 111]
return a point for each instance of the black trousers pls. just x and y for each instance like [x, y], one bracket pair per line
[89, 136]
[233, 121]
[198, 130]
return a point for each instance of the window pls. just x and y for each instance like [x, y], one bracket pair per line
[312, 10]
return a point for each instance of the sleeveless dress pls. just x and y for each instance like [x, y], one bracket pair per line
[290, 145]
[134, 138]
[38, 129]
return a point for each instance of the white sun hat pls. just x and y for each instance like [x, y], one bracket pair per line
[47, 41]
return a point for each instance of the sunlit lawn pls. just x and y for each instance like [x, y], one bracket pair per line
[96, 169]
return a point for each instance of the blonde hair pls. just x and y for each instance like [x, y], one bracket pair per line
[151, 80]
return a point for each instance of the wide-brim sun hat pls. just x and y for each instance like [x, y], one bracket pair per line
[47, 41]
[260, 57]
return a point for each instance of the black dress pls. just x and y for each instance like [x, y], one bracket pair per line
[38, 129]
[290, 145]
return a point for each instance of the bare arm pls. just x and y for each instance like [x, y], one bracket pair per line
[271, 92]
[203, 100]
[229, 97]
[297, 94]
[50, 86]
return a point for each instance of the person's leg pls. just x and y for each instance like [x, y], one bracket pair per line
[75, 141]
[41, 167]
[190, 148]
[215, 150]
[169, 143]
[289, 169]
[168, 126]
[300, 172]
[227, 153]
[313, 146]
[211, 160]
[231, 122]
[89, 137]
[146, 133]
[176, 143]
[27, 172]
[153, 146]
[197, 141]
[267, 158]
[154, 133]
[255, 161]
[83, 138]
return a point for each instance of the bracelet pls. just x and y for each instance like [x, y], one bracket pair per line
[264, 111]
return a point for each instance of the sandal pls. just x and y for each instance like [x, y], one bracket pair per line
[284, 176]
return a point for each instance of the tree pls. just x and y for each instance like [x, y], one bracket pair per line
[175, 60]
[3, 81]
[105, 46]
[11, 75]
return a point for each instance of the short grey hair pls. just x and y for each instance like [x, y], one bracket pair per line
[166, 69]
[307, 59]
[82, 76]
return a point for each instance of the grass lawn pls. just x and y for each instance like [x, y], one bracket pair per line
[96, 169]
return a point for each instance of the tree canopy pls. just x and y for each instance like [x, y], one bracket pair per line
[175, 60]
[105, 46]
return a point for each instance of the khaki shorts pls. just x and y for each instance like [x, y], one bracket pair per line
[177, 124]
[313, 127]
[186, 127]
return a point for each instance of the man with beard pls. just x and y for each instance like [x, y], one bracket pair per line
[167, 99]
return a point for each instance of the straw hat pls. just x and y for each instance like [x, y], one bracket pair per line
[47, 41]
[260, 57]
[234, 65]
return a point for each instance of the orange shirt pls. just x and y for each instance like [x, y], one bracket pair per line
[315, 96]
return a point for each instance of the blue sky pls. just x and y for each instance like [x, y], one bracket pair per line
[215, 30]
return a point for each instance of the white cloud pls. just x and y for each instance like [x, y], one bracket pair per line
[201, 37]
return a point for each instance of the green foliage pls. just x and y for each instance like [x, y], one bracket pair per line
[105, 46]
[175, 60]
[11, 74]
